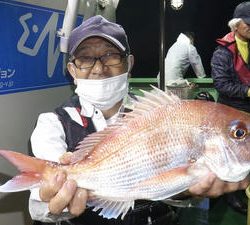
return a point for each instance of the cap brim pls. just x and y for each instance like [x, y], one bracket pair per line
[246, 20]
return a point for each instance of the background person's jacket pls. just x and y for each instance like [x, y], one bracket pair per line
[232, 91]
[179, 57]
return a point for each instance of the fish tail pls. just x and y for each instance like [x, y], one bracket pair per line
[30, 169]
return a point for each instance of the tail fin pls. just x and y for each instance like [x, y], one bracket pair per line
[30, 171]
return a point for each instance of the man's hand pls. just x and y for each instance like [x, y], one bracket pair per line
[61, 193]
[211, 186]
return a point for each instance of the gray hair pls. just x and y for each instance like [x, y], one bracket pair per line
[233, 23]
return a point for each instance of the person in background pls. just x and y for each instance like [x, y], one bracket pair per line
[105, 8]
[100, 63]
[179, 57]
[230, 68]
[231, 72]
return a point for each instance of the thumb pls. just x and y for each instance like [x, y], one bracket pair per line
[65, 158]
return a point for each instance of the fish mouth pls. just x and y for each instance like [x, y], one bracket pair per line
[223, 160]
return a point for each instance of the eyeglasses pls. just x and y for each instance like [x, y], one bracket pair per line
[109, 59]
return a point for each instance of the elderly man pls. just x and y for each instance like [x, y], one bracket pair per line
[100, 63]
[231, 72]
[230, 61]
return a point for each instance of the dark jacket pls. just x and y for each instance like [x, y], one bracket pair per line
[232, 91]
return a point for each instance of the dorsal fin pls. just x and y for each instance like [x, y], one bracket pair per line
[150, 101]
[161, 97]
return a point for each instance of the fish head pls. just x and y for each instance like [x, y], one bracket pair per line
[227, 146]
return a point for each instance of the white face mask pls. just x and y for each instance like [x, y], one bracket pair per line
[104, 93]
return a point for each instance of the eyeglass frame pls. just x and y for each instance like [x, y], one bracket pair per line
[121, 54]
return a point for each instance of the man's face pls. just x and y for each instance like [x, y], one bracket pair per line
[243, 31]
[111, 63]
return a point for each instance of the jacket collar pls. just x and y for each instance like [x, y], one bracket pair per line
[227, 39]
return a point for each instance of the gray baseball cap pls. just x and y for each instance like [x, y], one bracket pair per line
[100, 27]
[243, 11]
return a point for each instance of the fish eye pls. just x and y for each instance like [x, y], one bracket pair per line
[238, 130]
[239, 133]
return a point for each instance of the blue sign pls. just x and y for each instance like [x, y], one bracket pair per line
[29, 48]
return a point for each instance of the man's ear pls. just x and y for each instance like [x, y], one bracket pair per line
[130, 63]
[72, 70]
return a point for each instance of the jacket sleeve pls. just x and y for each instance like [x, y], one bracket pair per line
[226, 81]
[48, 142]
[196, 63]
[48, 138]
[40, 211]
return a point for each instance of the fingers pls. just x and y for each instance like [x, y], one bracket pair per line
[212, 186]
[231, 187]
[218, 188]
[49, 188]
[245, 183]
[78, 203]
[62, 199]
[203, 187]
[65, 158]
[61, 193]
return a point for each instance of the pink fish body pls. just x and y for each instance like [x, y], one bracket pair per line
[155, 152]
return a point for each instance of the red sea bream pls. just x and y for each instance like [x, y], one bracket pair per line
[158, 150]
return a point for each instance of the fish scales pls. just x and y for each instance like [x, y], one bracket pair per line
[158, 150]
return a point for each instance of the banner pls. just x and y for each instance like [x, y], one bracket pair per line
[29, 48]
